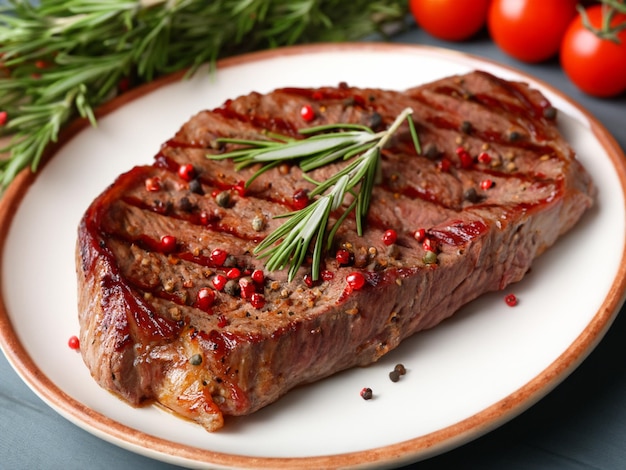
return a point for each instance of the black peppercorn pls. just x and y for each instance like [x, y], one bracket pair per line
[375, 120]
[431, 151]
[196, 187]
[549, 112]
[394, 375]
[185, 204]
[223, 199]
[400, 369]
[471, 195]
[232, 288]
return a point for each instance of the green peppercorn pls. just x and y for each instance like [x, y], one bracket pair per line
[430, 257]
[258, 223]
[195, 360]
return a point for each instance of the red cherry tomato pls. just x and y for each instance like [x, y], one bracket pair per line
[530, 30]
[596, 66]
[451, 20]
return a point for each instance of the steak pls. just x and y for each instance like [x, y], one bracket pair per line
[174, 308]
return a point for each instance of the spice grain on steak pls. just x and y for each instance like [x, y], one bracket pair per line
[141, 310]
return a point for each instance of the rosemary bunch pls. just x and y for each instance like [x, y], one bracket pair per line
[289, 244]
[60, 59]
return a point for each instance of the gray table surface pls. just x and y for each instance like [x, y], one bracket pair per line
[580, 425]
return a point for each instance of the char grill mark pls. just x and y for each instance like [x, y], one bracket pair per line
[139, 319]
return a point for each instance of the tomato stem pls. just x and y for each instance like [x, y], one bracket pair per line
[606, 31]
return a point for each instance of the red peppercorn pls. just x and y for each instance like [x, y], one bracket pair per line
[390, 236]
[486, 184]
[219, 281]
[222, 321]
[153, 184]
[204, 218]
[257, 300]
[307, 113]
[218, 256]
[233, 273]
[308, 280]
[510, 300]
[366, 393]
[3, 118]
[168, 243]
[186, 171]
[258, 277]
[73, 342]
[214, 193]
[342, 256]
[355, 280]
[444, 165]
[429, 245]
[327, 275]
[420, 234]
[484, 157]
[465, 158]
[205, 298]
[300, 199]
[246, 287]
[240, 187]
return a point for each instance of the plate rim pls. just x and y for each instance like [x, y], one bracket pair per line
[417, 448]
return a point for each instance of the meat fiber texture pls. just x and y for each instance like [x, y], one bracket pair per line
[144, 336]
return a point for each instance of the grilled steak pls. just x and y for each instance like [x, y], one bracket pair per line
[494, 186]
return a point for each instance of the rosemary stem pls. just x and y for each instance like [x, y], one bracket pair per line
[386, 135]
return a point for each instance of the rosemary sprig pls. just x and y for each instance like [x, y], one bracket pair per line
[288, 245]
[60, 59]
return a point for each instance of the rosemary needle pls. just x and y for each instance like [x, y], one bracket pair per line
[288, 245]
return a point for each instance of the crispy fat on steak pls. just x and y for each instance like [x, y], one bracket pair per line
[193, 322]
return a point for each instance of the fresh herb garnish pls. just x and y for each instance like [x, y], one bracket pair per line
[288, 245]
[60, 59]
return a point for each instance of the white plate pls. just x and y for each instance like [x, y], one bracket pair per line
[465, 377]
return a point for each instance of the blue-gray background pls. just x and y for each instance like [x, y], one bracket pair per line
[580, 425]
